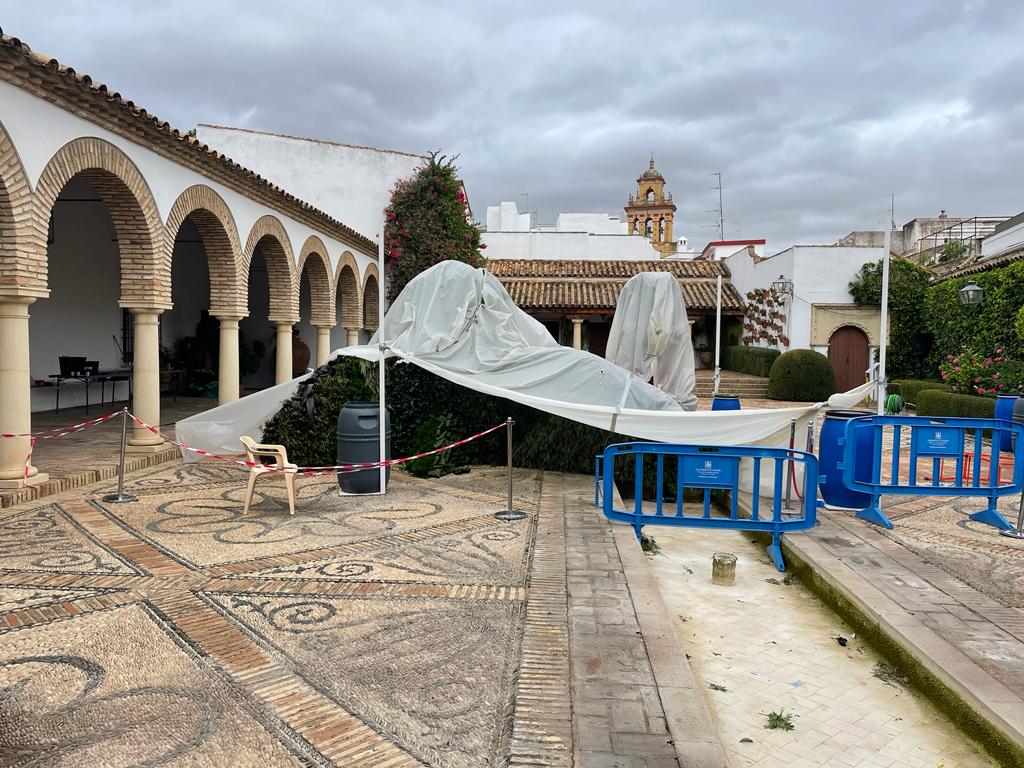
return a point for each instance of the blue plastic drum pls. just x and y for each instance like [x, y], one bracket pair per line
[830, 453]
[725, 403]
[1004, 411]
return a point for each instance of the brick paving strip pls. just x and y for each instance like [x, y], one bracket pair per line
[635, 701]
[962, 647]
[334, 733]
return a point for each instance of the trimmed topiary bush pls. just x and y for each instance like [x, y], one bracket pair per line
[933, 402]
[911, 389]
[802, 375]
[757, 361]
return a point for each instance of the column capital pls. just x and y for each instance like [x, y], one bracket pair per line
[324, 326]
[23, 299]
[229, 318]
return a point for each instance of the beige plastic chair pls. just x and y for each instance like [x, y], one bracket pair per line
[253, 450]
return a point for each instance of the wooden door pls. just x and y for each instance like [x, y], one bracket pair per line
[598, 338]
[849, 353]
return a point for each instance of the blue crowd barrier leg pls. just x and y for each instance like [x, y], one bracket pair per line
[990, 516]
[875, 515]
[637, 529]
[775, 551]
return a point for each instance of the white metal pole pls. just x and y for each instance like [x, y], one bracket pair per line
[883, 325]
[718, 334]
[381, 400]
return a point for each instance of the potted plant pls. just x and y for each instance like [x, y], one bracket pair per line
[704, 353]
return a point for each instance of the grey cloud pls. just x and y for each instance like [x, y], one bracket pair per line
[812, 111]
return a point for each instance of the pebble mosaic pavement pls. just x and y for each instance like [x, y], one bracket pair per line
[379, 631]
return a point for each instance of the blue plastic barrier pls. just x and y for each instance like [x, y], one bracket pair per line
[927, 437]
[711, 468]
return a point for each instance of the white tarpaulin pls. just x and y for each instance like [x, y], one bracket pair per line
[650, 335]
[461, 324]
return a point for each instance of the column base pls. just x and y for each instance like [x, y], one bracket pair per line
[145, 447]
[13, 485]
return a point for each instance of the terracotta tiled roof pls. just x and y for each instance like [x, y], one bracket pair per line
[592, 268]
[975, 266]
[60, 84]
[603, 294]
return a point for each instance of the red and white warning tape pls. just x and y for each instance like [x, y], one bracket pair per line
[46, 434]
[336, 469]
[304, 471]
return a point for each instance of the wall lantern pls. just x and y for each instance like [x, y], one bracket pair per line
[972, 293]
[783, 286]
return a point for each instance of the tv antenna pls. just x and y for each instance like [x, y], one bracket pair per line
[721, 208]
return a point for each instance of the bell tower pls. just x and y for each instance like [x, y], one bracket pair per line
[649, 212]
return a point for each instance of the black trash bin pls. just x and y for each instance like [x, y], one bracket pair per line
[359, 442]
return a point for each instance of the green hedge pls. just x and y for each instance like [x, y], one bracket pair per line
[802, 375]
[933, 402]
[757, 361]
[911, 389]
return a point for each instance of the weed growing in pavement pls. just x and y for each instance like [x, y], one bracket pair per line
[889, 675]
[779, 721]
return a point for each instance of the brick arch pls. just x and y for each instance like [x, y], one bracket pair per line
[19, 273]
[212, 218]
[314, 263]
[268, 233]
[371, 298]
[145, 276]
[347, 296]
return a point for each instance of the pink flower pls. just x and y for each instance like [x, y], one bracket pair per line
[949, 357]
[999, 351]
[482, 246]
[394, 252]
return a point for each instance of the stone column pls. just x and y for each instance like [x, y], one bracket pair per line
[323, 344]
[283, 368]
[228, 384]
[145, 378]
[577, 332]
[353, 336]
[15, 394]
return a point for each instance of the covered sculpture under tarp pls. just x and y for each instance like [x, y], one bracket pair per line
[650, 335]
[460, 323]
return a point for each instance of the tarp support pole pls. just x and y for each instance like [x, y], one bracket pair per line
[883, 325]
[718, 334]
[381, 400]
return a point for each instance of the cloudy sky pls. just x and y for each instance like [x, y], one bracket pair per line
[814, 112]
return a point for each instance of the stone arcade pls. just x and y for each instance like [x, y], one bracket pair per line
[112, 223]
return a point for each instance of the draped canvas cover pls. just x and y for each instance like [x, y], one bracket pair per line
[650, 335]
[461, 324]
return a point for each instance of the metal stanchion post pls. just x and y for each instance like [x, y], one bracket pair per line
[510, 513]
[121, 496]
[1018, 532]
[791, 469]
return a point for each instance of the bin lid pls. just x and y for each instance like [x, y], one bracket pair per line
[847, 413]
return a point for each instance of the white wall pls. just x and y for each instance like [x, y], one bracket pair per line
[351, 183]
[821, 274]
[566, 245]
[594, 223]
[1003, 241]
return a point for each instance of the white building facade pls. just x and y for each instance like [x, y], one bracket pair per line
[820, 313]
[511, 234]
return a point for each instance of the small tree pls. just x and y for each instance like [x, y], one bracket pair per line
[426, 223]
[908, 284]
